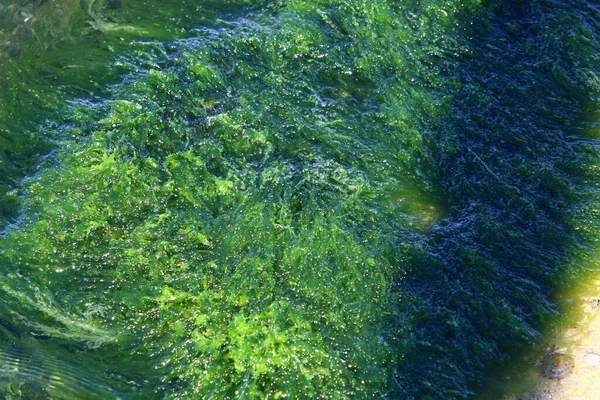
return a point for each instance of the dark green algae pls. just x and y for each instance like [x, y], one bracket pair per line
[317, 200]
[518, 162]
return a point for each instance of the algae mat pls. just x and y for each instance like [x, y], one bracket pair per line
[297, 199]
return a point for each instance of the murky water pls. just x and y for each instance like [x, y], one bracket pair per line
[291, 199]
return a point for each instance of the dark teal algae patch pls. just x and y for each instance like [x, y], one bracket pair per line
[519, 172]
[325, 199]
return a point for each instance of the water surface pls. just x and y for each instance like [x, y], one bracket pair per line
[292, 199]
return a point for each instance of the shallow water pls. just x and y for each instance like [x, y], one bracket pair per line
[523, 377]
[291, 199]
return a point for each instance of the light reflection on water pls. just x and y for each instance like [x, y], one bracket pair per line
[29, 371]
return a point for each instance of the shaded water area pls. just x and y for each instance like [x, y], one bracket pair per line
[290, 199]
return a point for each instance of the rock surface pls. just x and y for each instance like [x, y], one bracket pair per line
[583, 382]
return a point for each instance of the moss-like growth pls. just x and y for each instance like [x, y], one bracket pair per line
[247, 219]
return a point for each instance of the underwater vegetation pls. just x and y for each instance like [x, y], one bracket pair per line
[338, 199]
[55, 52]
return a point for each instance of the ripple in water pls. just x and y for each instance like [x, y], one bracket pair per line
[32, 373]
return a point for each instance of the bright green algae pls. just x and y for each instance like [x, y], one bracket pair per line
[52, 52]
[247, 219]
[221, 216]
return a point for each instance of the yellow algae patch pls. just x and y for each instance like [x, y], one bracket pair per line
[424, 208]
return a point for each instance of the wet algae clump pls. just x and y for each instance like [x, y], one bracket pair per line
[326, 199]
[517, 159]
[53, 52]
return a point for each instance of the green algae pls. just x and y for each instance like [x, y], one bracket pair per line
[233, 223]
[231, 190]
[520, 174]
[53, 52]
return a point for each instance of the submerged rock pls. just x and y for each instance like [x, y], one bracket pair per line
[557, 364]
